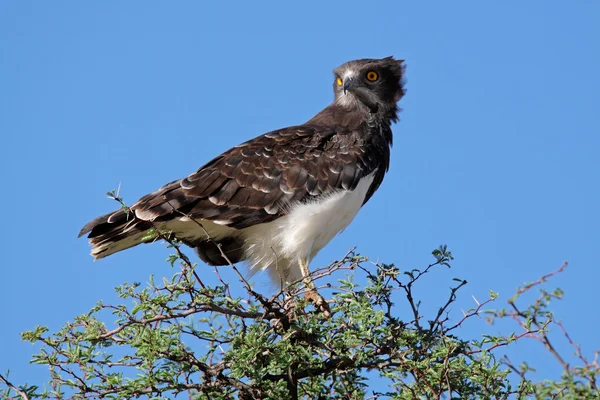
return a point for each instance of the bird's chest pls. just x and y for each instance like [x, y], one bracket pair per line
[308, 227]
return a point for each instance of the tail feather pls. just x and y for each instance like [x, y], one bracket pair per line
[114, 232]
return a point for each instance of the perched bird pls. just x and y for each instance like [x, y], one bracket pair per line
[276, 200]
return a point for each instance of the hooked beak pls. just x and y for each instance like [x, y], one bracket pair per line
[361, 93]
[349, 85]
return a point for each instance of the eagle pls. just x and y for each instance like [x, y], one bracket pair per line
[276, 200]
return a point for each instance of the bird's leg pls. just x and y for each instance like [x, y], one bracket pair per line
[306, 274]
[312, 295]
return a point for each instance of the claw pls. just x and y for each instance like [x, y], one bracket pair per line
[319, 302]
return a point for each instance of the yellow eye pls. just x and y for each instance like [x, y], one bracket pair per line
[372, 76]
[339, 81]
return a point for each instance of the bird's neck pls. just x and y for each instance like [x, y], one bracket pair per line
[354, 117]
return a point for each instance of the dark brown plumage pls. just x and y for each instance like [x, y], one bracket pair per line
[263, 179]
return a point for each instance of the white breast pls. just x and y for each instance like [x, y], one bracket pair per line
[303, 232]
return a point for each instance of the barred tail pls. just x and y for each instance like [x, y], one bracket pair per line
[114, 232]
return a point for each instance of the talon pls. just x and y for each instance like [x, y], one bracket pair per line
[319, 302]
[311, 295]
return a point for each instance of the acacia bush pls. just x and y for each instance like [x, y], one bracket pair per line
[183, 336]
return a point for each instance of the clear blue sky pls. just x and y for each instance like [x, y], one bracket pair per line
[496, 153]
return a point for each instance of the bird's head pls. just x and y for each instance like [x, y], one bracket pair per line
[373, 84]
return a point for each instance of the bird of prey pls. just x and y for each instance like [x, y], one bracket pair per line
[276, 200]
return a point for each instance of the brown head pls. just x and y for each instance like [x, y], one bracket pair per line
[374, 84]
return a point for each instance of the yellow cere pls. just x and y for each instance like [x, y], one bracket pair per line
[339, 81]
[372, 76]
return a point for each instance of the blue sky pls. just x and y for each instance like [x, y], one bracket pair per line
[495, 154]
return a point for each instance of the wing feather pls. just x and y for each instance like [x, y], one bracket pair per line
[254, 182]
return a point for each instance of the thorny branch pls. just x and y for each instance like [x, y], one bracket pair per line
[387, 355]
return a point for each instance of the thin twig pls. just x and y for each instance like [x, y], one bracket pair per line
[13, 387]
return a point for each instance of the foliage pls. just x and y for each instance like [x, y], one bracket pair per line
[185, 336]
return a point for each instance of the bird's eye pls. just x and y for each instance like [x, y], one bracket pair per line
[372, 76]
[339, 81]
